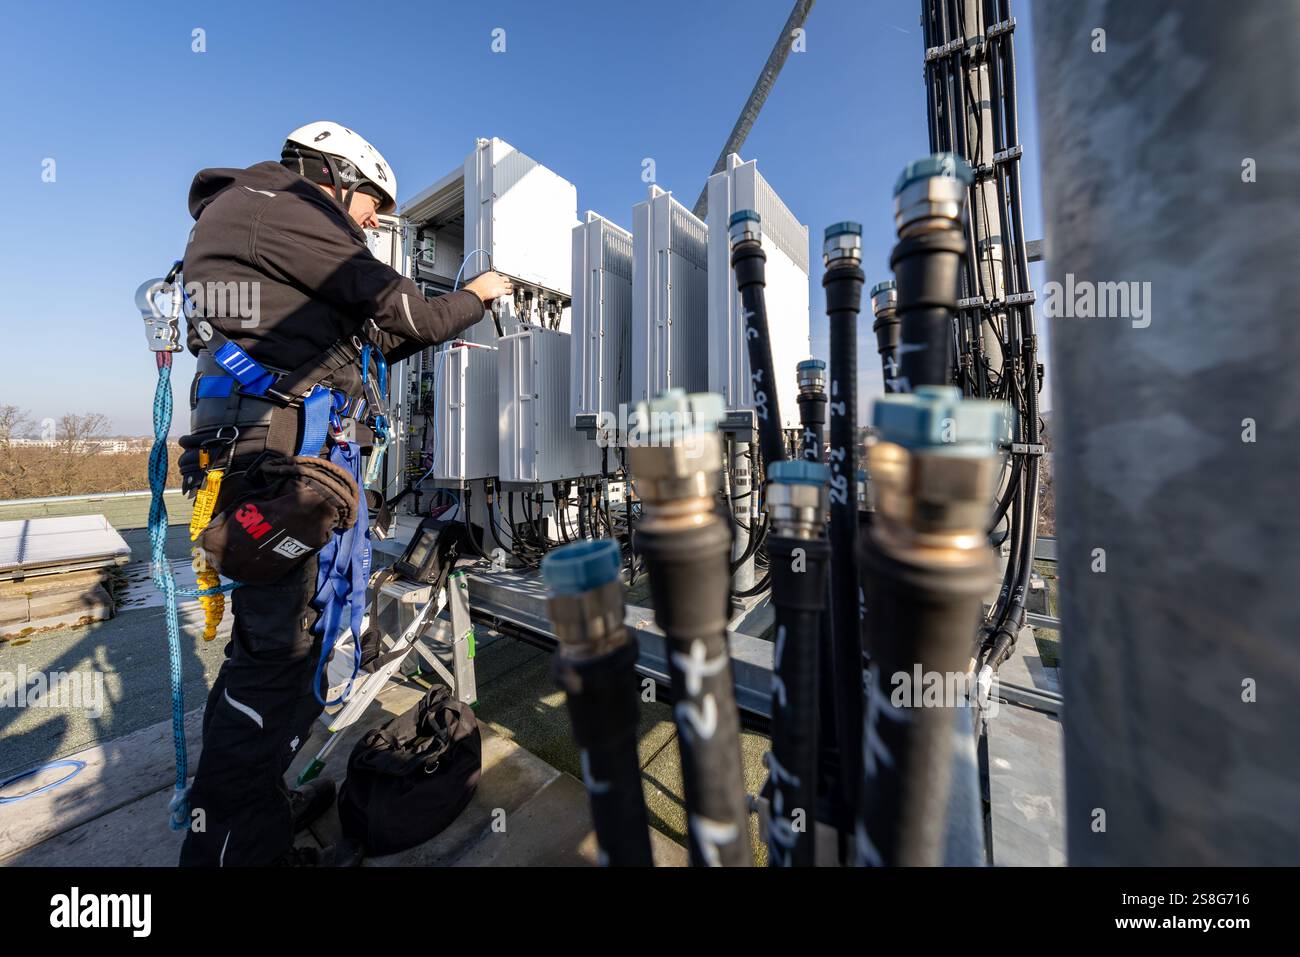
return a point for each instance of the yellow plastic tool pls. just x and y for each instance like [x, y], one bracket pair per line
[204, 502]
[205, 576]
[214, 606]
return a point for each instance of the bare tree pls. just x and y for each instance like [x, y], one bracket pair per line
[75, 432]
[14, 422]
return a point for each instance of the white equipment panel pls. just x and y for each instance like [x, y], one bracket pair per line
[670, 309]
[785, 240]
[386, 242]
[521, 213]
[538, 443]
[602, 321]
[464, 420]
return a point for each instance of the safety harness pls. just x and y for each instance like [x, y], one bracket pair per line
[258, 396]
[329, 416]
[302, 415]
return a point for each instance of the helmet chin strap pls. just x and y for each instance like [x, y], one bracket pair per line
[343, 197]
[335, 180]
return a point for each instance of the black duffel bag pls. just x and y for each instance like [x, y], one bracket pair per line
[408, 779]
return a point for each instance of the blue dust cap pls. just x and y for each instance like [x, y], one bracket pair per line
[839, 229]
[944, 165]
[582, 566]
[798, 472]
[938, 419]
[676, 414]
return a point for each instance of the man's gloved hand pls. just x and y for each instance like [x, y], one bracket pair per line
[489, 286]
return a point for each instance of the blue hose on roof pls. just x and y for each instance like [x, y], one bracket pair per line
[72, 763]
[161, 573]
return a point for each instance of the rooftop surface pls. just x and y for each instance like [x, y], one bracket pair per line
[114, 811]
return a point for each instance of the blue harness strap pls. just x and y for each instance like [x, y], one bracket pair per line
[341, 580]
[252, 376]
[316, 408]
[215, 387]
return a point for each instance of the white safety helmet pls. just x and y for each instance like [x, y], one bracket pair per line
[351, 160]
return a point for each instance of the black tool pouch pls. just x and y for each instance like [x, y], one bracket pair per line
[273, 517]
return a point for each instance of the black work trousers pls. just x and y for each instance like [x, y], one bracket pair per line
[259, 713]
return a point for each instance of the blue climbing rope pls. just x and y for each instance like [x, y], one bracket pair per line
[163, 578]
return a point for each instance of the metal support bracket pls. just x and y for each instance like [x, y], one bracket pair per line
[1028, 448]
[1008, 154]
[997, 29]
[945, 49]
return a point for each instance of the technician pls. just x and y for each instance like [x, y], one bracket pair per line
[279, 424]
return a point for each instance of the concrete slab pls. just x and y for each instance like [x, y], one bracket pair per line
[758, 618]
[1027, 788]
[14, 608]
[554, 829]
[40, 604]
[91, 604]
[133, 835]
[116, 775]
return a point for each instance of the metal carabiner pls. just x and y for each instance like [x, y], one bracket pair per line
[162, 332]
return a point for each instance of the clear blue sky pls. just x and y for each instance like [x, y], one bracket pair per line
[114, 94]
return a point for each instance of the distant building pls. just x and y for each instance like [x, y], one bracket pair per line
[87, 446]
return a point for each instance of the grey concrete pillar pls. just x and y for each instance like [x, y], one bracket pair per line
[1173, 159]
